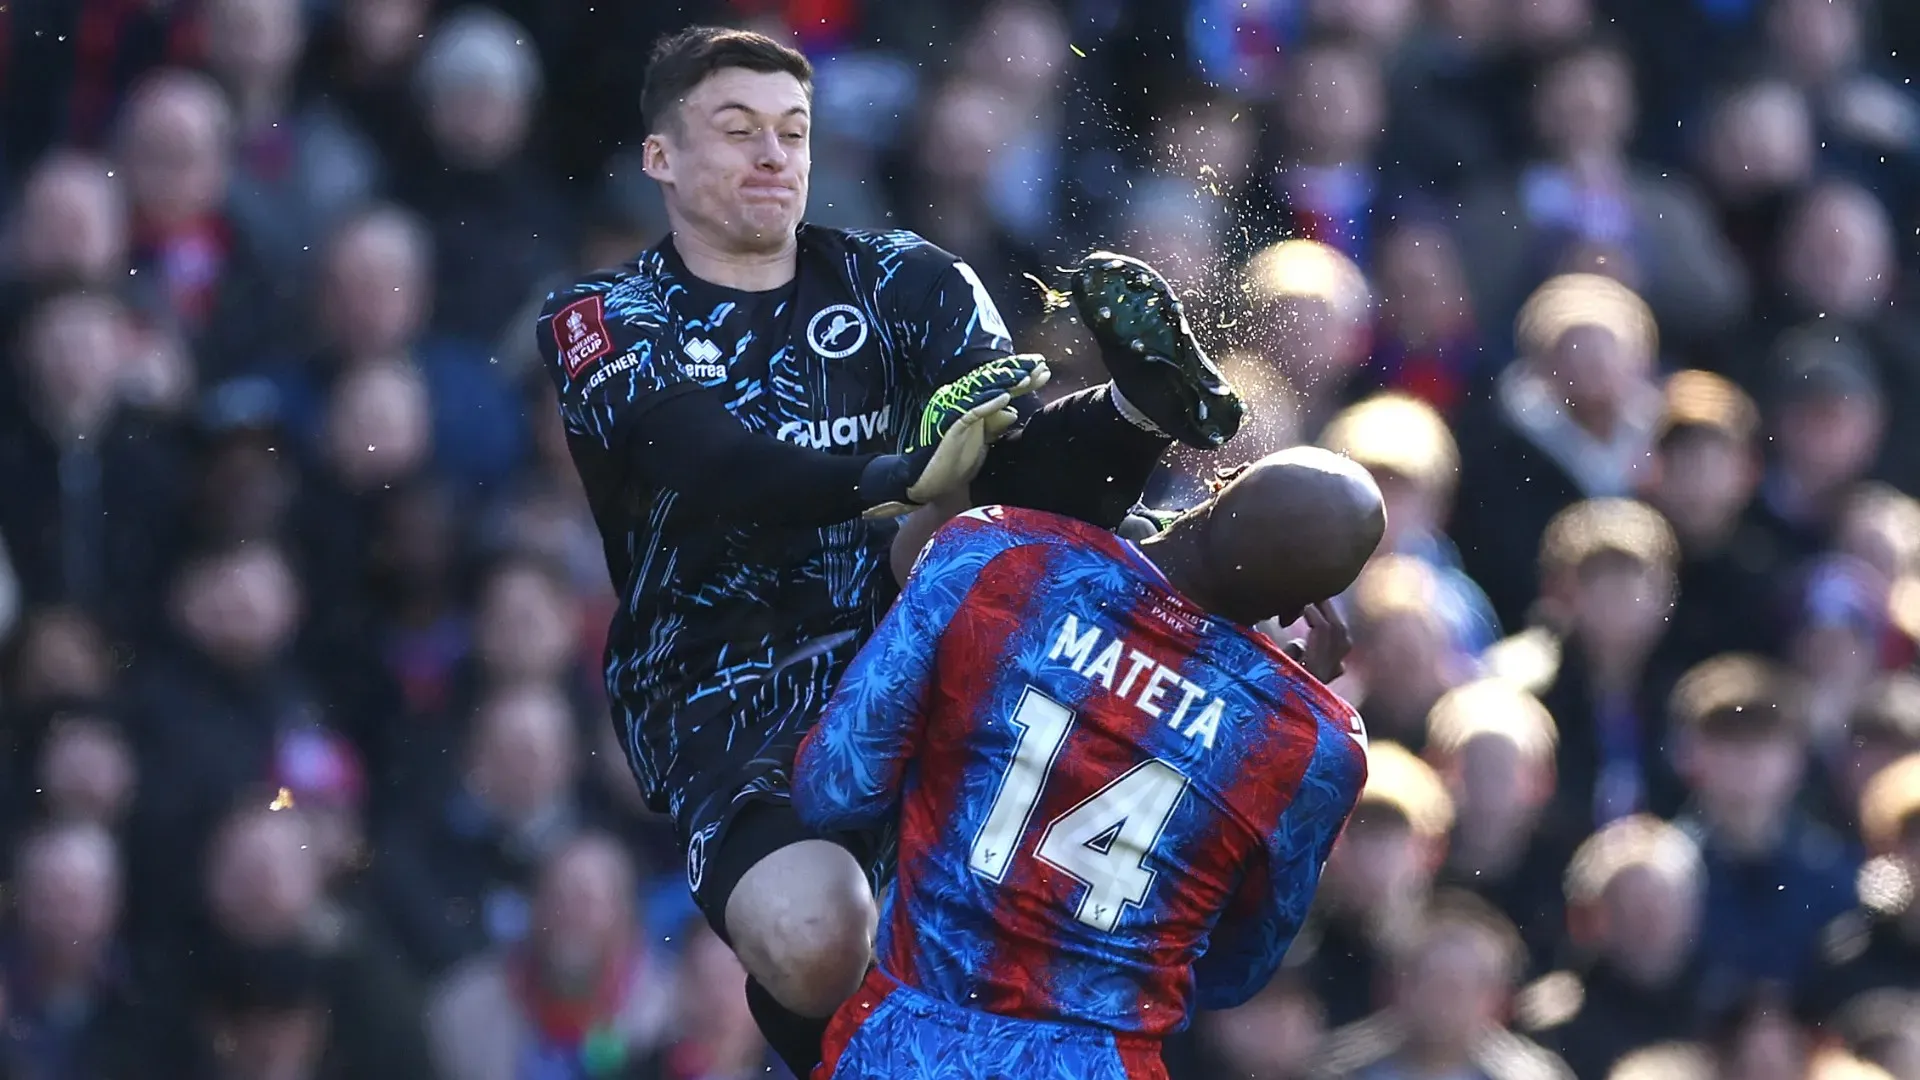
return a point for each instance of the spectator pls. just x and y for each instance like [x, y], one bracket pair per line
[59, 655]
[1758, 1039]
[1773, 876]
[1880, 526]
[1837, 266]
[717, 1035]
[248, 489]
[319, 775]
[1571, 419]
[1450, 125]
[1583, 204]
[69, 230]
[1426, 340]
[377, 304]
[422, 631]
[207, 709]
[582, 995]
[1376, 883]
[1492, 743]
[197, 273]
[1411, 454]
[1869, 124]
[361, 59]
[1405, 653]
[1607, 567]
[1634, 892]
[1884, 728]
[1706, 470]
[72, 1006]
[1325, 183]
[1451, 988]
[1309, 305]
[951, 169]
[496, 224]
[1757, 158]
[1273, 1037]
[522, 629]
[1666, 1061]
[1883, 1027]
[1836, 642]
[1830, 413]
[1877, 944]
[93, 489]
[286, 983]
[457, 871]
[86, 771]
[528, 625]
[1017, 48]
[297, 167]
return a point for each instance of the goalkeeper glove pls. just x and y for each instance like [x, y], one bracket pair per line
[947, 449]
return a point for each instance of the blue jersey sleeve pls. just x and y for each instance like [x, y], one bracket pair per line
[1251, 941]
[849, 768]
[610, 348]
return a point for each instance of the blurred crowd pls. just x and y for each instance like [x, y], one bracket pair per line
[307, 770]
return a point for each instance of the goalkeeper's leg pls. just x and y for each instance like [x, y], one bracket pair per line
[1089, 455]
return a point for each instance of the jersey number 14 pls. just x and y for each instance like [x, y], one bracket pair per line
[1103, 841]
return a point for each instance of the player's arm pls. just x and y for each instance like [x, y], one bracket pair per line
[616, 365]
[1252, 938]
[849, 768]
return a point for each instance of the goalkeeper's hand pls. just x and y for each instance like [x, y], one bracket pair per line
[948, 447]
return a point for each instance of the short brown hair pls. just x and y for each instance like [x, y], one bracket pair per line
[1596, 527]
[1734, 694]
[683, 61]
[1638, 840]
[1400, 434]
[1402, 784]
[1705, 403]
[1492, 706]
[1665, 1061]
[1394, 585]
[1570, 300]
[1891, 804]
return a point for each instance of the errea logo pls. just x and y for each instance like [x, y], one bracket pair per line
[703, 360]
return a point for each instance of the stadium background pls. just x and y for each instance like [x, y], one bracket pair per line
[306, 772]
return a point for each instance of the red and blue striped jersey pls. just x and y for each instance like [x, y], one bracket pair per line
[1113, 806]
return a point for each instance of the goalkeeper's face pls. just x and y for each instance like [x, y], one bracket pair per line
[735, 160]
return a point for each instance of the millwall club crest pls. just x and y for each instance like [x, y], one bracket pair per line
[837, 331]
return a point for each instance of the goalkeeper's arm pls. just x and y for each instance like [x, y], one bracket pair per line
[690, 444]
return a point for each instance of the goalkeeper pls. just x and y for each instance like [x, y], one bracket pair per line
[750, 405]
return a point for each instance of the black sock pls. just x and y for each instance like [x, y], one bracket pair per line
[797, 1039]
[1077, 457]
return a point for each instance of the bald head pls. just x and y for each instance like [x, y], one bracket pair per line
[1292, 529]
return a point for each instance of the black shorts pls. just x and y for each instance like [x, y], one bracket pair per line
[729, 785]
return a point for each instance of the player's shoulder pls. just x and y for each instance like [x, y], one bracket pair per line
[1301, 696]
[880, 243]
[605, 313]
[892, 254]
[1013, 525]
[633, 292]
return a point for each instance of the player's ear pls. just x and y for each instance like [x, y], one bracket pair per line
[654, 159]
